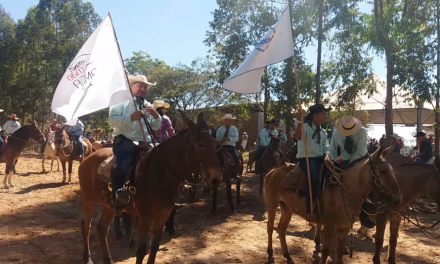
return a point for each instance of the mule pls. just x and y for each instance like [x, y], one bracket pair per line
[68, 151]
[159, 175]
[340, 203]
[270, 159]
[15, 146]
[290, 155]
[50, 151]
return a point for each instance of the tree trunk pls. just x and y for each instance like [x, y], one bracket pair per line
[437, 96]
[389, 99]
[266, 93]
[318, 63]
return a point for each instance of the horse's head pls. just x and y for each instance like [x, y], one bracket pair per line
[205, 147]
[51, 137]
[60, 135]
[384, 180]
[35, 132]
[275, 143]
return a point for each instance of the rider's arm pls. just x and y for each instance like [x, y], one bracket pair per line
[79, 129]
[361, 147]
[298, 131]
[116, 118]
[219, 135]
[233, 134]
[6, 126]
[169, 126]
[155, 122]
[264, 137]
[334, 147]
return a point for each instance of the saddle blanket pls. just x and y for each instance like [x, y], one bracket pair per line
[107, 166]
[295, 179]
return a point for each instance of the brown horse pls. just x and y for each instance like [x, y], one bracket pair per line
[270, 159]
[340, 202]
[68, 151]
[414, 180]
[16, 144]
[159, 176]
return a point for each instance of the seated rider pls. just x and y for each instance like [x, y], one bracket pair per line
[350, 138]
[317, 149]
[124, 119]
[227, 135]
[425, 151]
[77, 132]
[2, 143]
[282, 135]
[265, 135]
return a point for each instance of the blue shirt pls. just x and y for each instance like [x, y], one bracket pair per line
[119, 118]
[77, 129]
[359, 145]
[232, 135]
[314, 149]
[265, 137]
[283, 137]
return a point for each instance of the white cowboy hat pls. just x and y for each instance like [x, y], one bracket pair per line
[160, 103]
[348, 125]
[13, 116]
[140, 79]
[228, 116]
[396, 136]
[1, 110]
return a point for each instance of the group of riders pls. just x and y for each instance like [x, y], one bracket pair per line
[348, 141]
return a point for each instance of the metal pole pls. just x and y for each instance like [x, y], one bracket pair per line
[126, 76]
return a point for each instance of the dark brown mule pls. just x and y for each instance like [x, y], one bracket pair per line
[290, 155]
[159, 177]
[68, 151]
[16, 144]
[270, 159]
[340, 202]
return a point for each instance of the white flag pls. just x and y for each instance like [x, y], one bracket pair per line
[276, 46]
[95, 79]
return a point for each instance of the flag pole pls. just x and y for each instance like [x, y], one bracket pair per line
[126, 76]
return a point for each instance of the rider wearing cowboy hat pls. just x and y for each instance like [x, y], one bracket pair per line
[1, 140]
[265, 135]
[227, 135]
[350, 139]
[166, 129]
[124, 118]
[317, 148]
[425, 152]
[11, 125]
[77, 132]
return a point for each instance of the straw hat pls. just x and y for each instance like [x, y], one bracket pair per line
[228, 116]
[160, 103]
[13, 116]
[140, 79]
[1, 110]
[348, 125]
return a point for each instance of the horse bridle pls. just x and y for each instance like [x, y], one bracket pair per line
[31, 135]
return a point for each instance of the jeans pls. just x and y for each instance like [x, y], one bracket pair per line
[124, 150]
[79, 141]
[1, 146]
[420, 161]
[233, 151]
[259, 152]
[314, 164]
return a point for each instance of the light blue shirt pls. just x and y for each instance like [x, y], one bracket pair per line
[359, 145]
[77, 129]
[120, 119]
[284, 137]
[314, 149]
[11, 126]
[265, 137]
[232, 135]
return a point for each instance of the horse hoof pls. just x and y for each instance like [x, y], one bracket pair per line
[6, 186]
[88, 261]
[270, 260]
[317, 249]
[12, 184]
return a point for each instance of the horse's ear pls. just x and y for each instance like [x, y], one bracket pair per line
[202, 122]
[377, 153]
[31, 122]
[188, 122]
[387, 151]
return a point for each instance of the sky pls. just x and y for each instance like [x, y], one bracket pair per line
[170, 30]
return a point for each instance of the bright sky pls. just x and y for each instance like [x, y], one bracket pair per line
[170, 30]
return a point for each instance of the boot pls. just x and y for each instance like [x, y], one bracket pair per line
[122, 198]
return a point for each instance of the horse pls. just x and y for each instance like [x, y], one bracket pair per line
[68, 151]
[15, 146]
[159, 174]
[50, 151]
[270, 159]
[340, 203]
[290, 155]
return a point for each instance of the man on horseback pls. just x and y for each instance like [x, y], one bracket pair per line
[227, 135]
[265, 135]
[317, 148]
[77, 132]
[425, 151]
[2, 143]
[350, 139]
[12, 125]
[127, 134]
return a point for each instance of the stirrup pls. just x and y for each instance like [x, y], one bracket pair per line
[312, 218]
[122, 199]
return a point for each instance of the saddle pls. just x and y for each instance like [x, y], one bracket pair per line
[226, 159]
[295, 179]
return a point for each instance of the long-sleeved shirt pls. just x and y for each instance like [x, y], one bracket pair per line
[232, 135]
[314, 148]
[11, 126]
[283, 137]
[120, 119]
[265, 137]
[77, 129]
[165, 130]
[359, 146]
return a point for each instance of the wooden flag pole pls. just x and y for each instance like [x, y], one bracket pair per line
[303, 134]
[126, 77]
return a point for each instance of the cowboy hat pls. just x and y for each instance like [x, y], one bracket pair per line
[1, 110]
[160, 103]
[272, 121]
[228, 116]
[420, 134]
[13, 116]
[53, 120]
[396, 136]
[140, 79]
[348, 125]
[315, 109]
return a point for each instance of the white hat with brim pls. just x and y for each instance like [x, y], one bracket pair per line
[348, 125]
[1, 110]
[140, 79]
[160, 103]
[228, 116]
[13, 116]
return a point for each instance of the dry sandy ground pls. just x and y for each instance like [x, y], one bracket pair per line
[40, 223]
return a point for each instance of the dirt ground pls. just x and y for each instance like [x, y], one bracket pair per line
[40, 223]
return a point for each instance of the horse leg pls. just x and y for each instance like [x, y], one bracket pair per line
[317, 238]
[155, 240]
[63, 164]
[103, 226]
[6, 179]
[214, 199]
[70, 170]
[286, 215]
[261, 182]
[144, 228]
[44, 158]
[238, 191]
[326, 244]
[229, 194]
[394, 234]
[117, 226]
[169, 225]
[12, 169]
[58, 162]
[86, 222]
[51, 165]
[271, 212]
[381, 223]
[341, 235]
